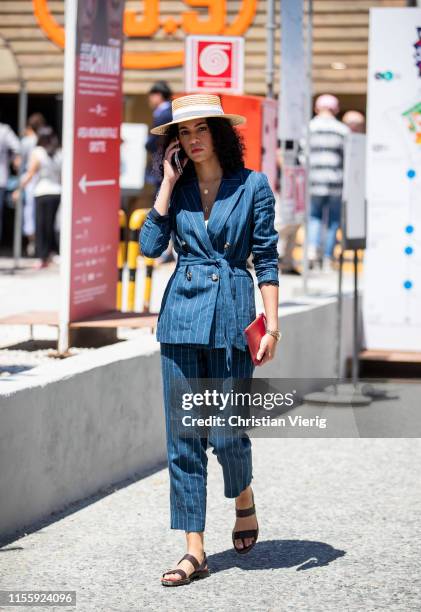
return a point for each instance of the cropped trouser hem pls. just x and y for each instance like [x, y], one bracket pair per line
[236, 490]
[193, 524]
[188, 525]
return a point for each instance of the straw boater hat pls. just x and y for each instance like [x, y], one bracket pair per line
[197, 106]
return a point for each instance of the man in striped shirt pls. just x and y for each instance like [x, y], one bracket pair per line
[327, 136]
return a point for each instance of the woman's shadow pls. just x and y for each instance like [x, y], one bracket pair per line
[277, 554]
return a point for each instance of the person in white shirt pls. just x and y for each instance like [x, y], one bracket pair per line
[9, 150]
[28, 144]
[45, 164]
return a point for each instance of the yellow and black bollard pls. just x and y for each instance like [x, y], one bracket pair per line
[136, 221]
[121, 256]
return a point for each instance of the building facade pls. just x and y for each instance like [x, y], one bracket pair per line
[33, 31]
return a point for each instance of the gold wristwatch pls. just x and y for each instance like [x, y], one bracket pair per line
[275, 333]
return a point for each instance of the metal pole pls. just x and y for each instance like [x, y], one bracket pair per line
[270, 48]
[339, 320]
[356, 343]
[307, 139]
[70, 7]
[339, 302]
[23, 108]
[17, 237]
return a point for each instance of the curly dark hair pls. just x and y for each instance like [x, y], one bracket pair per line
[227, 142]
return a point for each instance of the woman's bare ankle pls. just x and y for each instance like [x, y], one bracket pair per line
[244, 500]
[195, 543]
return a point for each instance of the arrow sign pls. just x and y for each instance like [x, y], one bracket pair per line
[84, 184]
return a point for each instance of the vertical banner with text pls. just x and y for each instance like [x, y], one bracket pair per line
[91, 169]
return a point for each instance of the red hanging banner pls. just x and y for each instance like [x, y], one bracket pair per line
[91, 146]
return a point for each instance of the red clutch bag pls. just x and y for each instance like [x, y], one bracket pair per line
[254, 333]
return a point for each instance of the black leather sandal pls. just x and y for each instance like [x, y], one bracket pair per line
[200, 572]
[248, 533]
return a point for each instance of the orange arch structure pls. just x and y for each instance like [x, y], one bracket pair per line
[150, 23]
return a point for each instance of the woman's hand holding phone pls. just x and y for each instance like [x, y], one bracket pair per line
[173, 162]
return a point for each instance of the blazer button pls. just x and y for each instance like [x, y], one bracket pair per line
[214, 277]
[227, 245]
[183, 243]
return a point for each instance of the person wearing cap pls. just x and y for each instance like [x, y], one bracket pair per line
[327, 138]
[218, 212]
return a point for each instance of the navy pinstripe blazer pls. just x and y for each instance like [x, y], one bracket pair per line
[210, 277]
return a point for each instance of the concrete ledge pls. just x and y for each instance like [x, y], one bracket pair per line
[73, 427]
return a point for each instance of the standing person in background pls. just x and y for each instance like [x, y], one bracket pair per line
[355, 121]
[45, 161]
[28, 144]
[327, 136]
[159, 100]
[9, 149]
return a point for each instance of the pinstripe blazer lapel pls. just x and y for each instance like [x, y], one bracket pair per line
[227, 197]
[228, 194]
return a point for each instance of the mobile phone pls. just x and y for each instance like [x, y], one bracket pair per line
[177, 158]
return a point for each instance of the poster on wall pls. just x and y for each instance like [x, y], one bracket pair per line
[392, 265]
[91, 152]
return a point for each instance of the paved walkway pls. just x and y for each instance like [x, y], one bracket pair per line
[339, 531]
[339, 520]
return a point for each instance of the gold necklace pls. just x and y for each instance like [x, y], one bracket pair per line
[205, 189]
[207, 205]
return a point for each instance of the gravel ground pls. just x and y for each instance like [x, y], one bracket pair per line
[31, 355]
[338, 518]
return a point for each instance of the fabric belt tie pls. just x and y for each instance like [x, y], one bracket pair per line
[229, 312]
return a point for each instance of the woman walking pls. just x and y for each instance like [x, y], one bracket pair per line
[28, 144]
[45, 166]
[217, 213]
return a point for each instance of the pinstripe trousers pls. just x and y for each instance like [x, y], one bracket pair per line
[187, 458]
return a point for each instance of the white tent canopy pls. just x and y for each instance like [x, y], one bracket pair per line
[9, 68]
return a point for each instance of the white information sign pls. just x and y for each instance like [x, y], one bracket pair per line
[392, 266]
[354, 189]
[133, 155]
